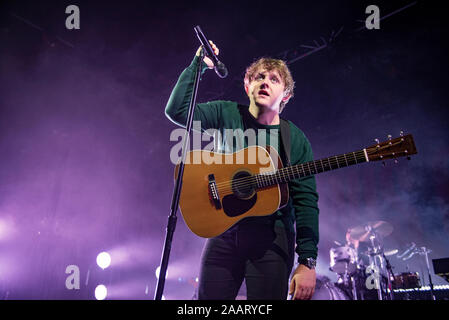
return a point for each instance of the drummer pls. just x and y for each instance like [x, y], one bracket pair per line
[351, 242]
[360, 247]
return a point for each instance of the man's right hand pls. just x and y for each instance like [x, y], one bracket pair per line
[208, 61]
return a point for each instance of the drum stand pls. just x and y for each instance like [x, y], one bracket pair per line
[380, 268]
[354, 288]
[373, 263]
[346, 278]
[426, 252]
[390, 275]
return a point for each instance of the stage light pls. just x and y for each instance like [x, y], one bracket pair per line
[101, 292]
[6, 228]
[103, 260]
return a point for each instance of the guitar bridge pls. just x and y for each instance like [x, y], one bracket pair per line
[213, 192]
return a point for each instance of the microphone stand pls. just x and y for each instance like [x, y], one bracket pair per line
[172, 218]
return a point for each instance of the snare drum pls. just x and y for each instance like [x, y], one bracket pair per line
[343, 260]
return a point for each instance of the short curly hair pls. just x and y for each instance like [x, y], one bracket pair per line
[272, 64]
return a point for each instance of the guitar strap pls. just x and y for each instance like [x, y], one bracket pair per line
[285, 142]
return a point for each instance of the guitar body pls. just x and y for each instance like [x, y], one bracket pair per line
[237, 200]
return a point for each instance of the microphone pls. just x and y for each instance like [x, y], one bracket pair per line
[219, 67]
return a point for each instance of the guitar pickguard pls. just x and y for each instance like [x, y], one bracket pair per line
[234, 206]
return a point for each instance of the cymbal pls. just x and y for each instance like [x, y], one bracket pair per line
[386, 253]
[362, 233]
[391, 252]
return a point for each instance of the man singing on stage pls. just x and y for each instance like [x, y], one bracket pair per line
[259, 250]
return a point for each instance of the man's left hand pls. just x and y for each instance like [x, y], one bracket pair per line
[302, 284]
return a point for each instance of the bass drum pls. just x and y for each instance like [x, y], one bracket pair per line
[326, 290]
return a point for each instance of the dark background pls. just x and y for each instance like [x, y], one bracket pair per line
[84, 142]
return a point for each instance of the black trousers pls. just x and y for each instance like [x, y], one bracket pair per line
[260, 253]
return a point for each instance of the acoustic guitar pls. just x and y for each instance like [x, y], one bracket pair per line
[220, 189]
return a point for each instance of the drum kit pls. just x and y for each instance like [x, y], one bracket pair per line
[362, 267]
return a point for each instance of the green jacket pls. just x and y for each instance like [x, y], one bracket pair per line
[302, 207]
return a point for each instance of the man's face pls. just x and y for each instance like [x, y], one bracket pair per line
[266, 89]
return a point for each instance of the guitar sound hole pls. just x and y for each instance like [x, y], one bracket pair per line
[243, 185]
[244, 195]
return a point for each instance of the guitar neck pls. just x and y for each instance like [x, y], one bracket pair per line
[302, 170]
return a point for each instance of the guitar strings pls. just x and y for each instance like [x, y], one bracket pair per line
[227, 186]
[283, 172]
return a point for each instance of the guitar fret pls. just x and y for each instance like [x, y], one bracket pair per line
[289, 173]
[296, 173]
[354, 157]
[344, 155]
[309, 168]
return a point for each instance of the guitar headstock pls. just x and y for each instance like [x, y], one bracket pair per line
[403, 146]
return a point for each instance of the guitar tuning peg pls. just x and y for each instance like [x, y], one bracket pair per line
[389, 138]
[401, 133]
